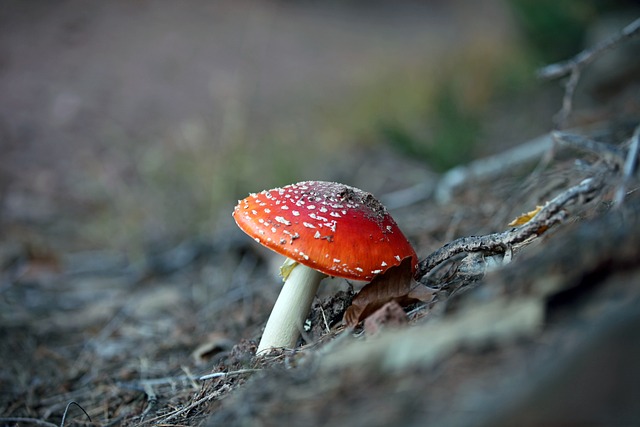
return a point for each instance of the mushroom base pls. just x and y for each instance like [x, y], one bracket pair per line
[291, 308]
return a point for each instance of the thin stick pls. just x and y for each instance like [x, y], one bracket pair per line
[189, 407]
[204, 399]
[66, 410]
[575, 65]
[189, 375]
[141, 384]
[152, 400]
[324, 318]
[629, 169]
[561, 69]
[561, 116]
[226, 374]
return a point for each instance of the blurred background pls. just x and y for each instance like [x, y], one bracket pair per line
[129, 124]
[129, 130]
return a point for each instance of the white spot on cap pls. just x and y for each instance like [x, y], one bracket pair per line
[281, 220]
[336, 260]
[335, 214]
[267, 210]
[317, 217]
[317, 235]
[376, 271]
[383, 264]
[397, 257]
[292, 236]
[312, 207]
[273, 229]
[295, 213]
[308, 225]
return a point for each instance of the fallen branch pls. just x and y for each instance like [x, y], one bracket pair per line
[551, 214]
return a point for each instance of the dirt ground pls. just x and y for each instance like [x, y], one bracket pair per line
[129, 297]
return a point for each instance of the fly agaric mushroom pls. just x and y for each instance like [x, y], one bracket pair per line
[324, 229]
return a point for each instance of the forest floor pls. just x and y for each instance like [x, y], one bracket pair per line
[536, 332]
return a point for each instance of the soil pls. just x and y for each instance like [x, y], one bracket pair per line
[545, 333]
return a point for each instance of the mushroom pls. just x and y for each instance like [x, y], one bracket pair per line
[324, 229]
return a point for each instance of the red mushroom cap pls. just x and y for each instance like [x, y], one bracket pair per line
[333, 228]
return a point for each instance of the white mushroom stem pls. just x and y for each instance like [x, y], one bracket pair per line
[291, 308]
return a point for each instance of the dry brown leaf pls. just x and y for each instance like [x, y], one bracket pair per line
[395, 284]
[390, 314]
[525, 217]
[216, 343]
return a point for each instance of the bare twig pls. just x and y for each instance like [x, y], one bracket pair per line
[226, 374]
[172, 380]
[189, 375]
[187, 408]
[66, 410]
[561, 117]
[324, 318]
[152, 400]
[549, 215]
[142, 384]
[561, 69]
[629, 169]
[574, 66]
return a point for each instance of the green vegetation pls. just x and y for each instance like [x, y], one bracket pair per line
[439, 117]
[554, 29]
